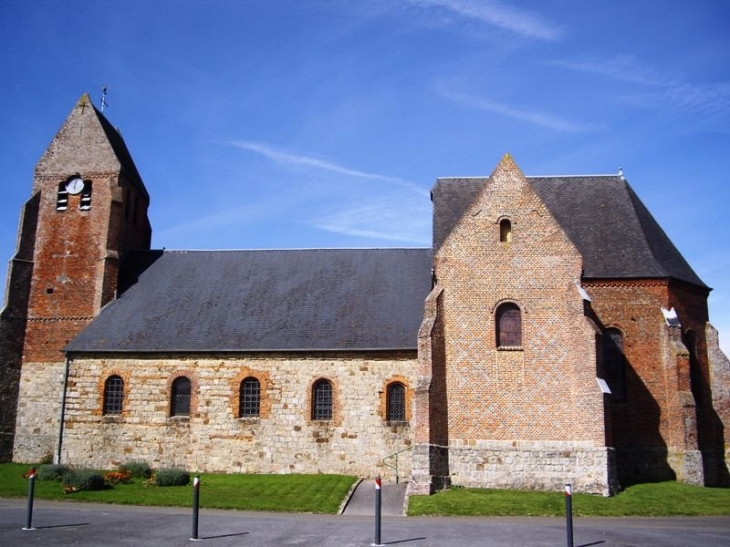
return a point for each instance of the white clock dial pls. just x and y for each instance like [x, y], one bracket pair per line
[74, 186]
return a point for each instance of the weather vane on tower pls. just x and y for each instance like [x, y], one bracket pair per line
[103, 98]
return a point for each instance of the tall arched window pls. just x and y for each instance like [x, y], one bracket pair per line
[396, 402]
[509, 326]
[505, 230]
[249, 398]
[85, 202]
[180, 397]
[322, 400]
[614, 362]
[113, 395]
[62, 197]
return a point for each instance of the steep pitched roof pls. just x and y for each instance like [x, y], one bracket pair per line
[602, 215]
[89, 142]
[287, 300]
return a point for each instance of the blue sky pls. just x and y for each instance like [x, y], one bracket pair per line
[299, 124]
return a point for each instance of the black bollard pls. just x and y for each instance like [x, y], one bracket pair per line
[569, 513]
[378, 500]
[31, 493]
[196, 507]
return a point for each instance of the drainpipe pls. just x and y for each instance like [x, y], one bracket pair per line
[57, 458]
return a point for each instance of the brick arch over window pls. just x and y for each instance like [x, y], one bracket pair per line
[104, 392]
[508, 325]
[236, 386]
[614, 362]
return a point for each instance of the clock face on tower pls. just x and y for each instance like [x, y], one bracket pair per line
[75, 185]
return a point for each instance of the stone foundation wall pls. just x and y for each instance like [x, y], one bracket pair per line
[542, 465]
[284, 439]
[39, 407]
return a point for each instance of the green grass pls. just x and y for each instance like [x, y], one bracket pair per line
[651, 500]
[325, 493]
[288, 493]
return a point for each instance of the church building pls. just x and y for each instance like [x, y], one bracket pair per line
[552, 333]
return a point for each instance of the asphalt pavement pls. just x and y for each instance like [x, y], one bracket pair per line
[97, 525]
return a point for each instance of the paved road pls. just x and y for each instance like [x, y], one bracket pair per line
[362, 500]
[94, 525]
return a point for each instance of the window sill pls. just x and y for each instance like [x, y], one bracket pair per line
[510, 348]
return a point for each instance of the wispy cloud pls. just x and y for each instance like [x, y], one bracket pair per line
[710, 101]
[383, 220]
[297, 160]
[353, 208]
[498, 14]
[531, 116]
[626, 68]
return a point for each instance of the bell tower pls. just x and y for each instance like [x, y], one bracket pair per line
[88, 206]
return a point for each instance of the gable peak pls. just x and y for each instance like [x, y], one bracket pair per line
[507, 166]
[84, 100]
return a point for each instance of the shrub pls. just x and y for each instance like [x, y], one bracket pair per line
[82, 479]
[116, 477]
[172, 477]
[137, 468]
[51, 472]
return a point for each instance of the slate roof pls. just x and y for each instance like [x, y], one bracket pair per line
[602, 215]
[129, 169]
[285, 300]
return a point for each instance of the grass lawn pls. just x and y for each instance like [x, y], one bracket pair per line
[651, 500]
[290, 493]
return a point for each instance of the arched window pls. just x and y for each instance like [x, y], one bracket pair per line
[322, 400]
[62, 197]
[249, 398]
[85, 203]
[505, 231]
[614, 362]
[113, 395]
[180, 397]
[396, 402]
[509, 326]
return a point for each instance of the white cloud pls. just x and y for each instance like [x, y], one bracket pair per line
[384, 220]
[531, 116]
[709, 101]
[297, 160]
[498, 14]
[625, 68]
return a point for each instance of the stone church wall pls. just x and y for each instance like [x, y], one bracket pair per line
[284, 439]
[39, 408]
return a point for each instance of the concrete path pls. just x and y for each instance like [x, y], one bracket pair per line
[362, 500]
[76, 524]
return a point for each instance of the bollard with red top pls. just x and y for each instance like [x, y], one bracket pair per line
[378, 491]
[31, 491]
[196, 508]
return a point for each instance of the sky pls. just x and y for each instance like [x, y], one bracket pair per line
[325, 123]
